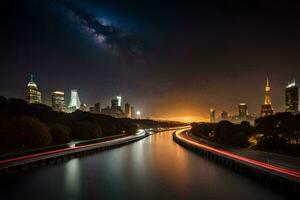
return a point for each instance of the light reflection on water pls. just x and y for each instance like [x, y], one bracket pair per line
[152, 168]
[72, 179]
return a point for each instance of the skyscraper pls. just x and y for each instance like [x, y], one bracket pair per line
[224, 115]
[243, 111]
[58, 101]
[291, 97]
[97, 108]
[33, 95]
[266, 108]
[119, 98]
[115, 103]
[127, 110]
[74, 101]
[132, 112]
[212, 115]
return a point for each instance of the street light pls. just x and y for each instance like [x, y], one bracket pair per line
[138, 114]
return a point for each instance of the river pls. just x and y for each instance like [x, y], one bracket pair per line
[152, 168]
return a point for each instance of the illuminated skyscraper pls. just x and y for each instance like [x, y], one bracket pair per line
[212, 115]
[58, 101]
[243, 111]
[127, 110]
[119, 98]
[291, 97]
[74, 101]
[266, 108]
[33, 95]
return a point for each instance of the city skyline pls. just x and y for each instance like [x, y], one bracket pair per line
[224, 63]
[99, 98]
[242, 112]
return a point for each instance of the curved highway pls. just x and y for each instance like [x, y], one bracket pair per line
[152, 168]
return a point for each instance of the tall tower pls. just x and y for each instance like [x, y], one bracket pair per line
[33, 95]
[119, 98]
[291, 97]
[267, 93]
[266, 108]
[74, 101]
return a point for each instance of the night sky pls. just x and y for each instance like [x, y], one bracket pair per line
[169, 59]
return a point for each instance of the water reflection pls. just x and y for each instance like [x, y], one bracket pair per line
[152, 168]
[72, 179]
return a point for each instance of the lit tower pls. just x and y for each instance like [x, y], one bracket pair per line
[74, 101]
[119, 98]
[33, 95]
[266, 108]
[291, 97]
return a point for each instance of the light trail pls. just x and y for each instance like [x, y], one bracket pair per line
[183, 136]
[63, 150]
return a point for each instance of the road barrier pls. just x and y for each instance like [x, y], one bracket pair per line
[286, 184]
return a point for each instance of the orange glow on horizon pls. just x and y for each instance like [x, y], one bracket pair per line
[184, 119]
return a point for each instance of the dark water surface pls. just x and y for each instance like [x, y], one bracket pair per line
[152, 168]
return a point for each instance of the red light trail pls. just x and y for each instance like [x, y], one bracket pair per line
[183, 136]
[55, 151]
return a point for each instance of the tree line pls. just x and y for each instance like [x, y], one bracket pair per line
[276, 133]
[27, 126]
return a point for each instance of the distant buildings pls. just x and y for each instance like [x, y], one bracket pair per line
[224, 115]
[58, 101]
[97, 108]
[243, 111]
[128, 110]
[266, 108]
[291, 97]
[212, 115]
[33, 95]
[92, 109]
[83, 107]
[115, 110]
[74, 101]
[132, 111]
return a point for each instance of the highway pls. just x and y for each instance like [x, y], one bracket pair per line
[73, 148]
[292, 174]
[152, 168]
[279, 160]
